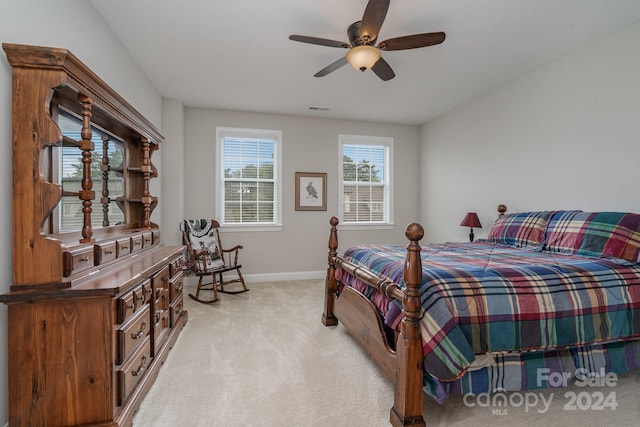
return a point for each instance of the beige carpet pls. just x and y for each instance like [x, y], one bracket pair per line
[263, 358]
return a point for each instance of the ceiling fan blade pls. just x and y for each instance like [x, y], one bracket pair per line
[412, 42]
[318, 41]
[383, 70]
[372, 19]
[331, 67]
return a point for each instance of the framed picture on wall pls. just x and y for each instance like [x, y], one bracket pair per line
[311, 191]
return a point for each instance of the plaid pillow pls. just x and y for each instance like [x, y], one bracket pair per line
[521, 230]
[600, 234]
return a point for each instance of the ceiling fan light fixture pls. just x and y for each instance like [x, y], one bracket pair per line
[363, 57]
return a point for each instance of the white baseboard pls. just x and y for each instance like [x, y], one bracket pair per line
[280, 277]
[275, 277]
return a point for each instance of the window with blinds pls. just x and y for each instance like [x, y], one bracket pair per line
[365, 181]
[250, 170]
[106, 176]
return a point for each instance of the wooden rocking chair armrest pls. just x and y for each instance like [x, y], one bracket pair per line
[236, 251]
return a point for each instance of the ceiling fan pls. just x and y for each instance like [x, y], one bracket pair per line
[363, 53]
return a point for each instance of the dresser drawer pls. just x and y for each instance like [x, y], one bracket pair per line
[161, 278]
[160, 329]
[123, 247]
[176, 266]
[159, 282]
[132, 371]
[132, 333]
[147, 239]
[146, 291]
[133, 301]
[104, 252]
[156, 236]
[175, 286]
[136, 242]
[161, 299]
[175, 310]
[78, 260]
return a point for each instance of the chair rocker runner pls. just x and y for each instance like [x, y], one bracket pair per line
[205, 257]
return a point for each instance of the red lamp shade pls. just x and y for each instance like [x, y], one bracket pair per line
[471, 220]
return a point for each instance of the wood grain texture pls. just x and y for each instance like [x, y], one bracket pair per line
[86, 336]
[361, 318]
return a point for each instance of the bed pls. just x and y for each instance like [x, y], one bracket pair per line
[549, 297]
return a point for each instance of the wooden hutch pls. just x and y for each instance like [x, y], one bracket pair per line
[96, 301]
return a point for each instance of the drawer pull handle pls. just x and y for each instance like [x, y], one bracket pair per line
[124, 248]
[141, 297]
[131, 306]
[141, 368]
[179, 286]
[108, 252]
[84, 259]
[141, 332]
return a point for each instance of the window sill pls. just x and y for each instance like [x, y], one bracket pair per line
[376, 226]
[250, 227]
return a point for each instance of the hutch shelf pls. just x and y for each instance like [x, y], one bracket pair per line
[96, 300]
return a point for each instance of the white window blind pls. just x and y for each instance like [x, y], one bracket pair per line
[365, 182]
[249, 189]
[70, 174]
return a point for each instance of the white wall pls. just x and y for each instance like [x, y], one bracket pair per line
[564, 136]
[309, 145]
[75, 25]
[172, 173]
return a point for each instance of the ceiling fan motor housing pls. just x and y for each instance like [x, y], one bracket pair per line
[353, 32]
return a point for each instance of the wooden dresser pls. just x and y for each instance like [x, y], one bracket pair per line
[96, 301]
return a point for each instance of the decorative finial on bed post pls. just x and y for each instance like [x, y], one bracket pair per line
[331, 284]
[333, 240]
[414, 232]
[502, 209]
[407, 403]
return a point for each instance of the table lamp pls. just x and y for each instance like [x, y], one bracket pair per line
[471, 220]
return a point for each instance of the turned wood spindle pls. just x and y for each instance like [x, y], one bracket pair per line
[87, 147]
[105, 181]
[146, 170]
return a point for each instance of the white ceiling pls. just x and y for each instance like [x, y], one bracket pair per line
[236, 55]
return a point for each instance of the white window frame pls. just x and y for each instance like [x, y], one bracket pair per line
[276, 135]
[387, 142]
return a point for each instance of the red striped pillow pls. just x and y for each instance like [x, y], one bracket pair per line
[521, 230]
[600, 234]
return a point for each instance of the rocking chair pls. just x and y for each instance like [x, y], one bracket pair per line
[205, 257]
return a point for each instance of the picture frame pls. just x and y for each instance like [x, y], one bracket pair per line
[311, 191]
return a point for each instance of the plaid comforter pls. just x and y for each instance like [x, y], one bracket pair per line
[484, 297]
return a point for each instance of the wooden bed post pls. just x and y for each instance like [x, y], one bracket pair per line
[331, 284]
[407, 404]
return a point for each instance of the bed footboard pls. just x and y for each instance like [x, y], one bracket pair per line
[404, 366]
